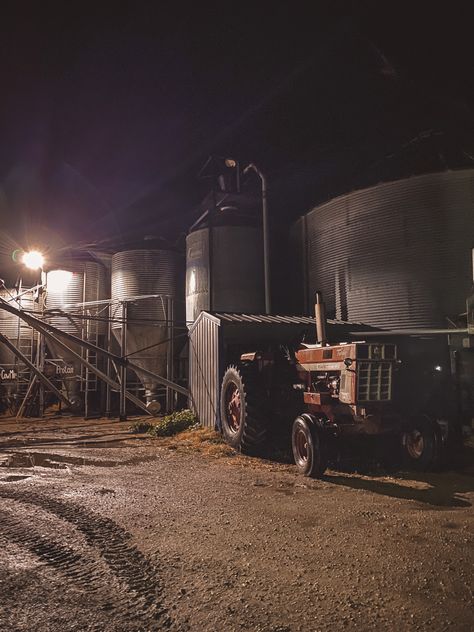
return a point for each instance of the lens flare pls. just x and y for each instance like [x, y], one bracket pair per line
[33, 259]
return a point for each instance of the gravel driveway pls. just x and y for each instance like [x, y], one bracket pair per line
[101, 530]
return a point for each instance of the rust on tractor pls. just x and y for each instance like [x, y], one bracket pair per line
[233, 406]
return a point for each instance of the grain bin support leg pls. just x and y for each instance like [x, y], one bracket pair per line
[108, 391]
[19, 414]
[123, 368]
[170, 353]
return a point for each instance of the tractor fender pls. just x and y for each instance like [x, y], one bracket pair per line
[312, 420]
[249, 357]
[329, 428]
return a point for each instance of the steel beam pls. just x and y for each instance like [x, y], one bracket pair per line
[48, 329]
[36, 371]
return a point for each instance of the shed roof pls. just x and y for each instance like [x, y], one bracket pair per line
[274, 326]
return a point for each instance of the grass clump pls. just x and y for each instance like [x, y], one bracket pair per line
[167, 426]
[140, 426]
[174, 423]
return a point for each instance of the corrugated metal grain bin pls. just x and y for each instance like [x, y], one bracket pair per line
[393, 255]
[224, 270]
[68, 285]
[146, 272]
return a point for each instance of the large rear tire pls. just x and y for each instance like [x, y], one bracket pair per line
[309, 444]
[422, 444]
[243, 419]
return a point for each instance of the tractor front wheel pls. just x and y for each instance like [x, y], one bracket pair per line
[243, 420]
[309, 446]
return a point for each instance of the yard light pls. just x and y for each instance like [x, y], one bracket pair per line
[34, 260]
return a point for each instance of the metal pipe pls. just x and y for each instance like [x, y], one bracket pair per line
[40, 357]
[48, 329]
[266, 235]
[40, 364]
[161, 380]
[407, 332]
[320, 316]
[210, 251]
[123, 368]
[108, 395]
[108, 301]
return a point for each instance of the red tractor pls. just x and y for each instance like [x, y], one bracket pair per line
[328, 391]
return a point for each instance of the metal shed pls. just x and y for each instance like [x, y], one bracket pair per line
[204, 368]
[217, 339]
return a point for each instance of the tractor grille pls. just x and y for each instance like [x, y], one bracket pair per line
[374, 381]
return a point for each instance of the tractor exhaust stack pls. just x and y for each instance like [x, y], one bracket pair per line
[320, 315]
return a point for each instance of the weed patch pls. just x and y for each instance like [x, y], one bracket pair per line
[167, 426]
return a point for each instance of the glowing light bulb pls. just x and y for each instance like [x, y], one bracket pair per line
[33, 259]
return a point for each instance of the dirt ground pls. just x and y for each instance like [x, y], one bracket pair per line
[104, 530]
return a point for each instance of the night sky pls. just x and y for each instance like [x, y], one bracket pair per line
[106, 117]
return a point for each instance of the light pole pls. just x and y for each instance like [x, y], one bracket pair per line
[266, 235]
[35, 260]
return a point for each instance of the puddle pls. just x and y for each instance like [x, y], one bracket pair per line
[11, 479]
[54, 461]
[61, 462]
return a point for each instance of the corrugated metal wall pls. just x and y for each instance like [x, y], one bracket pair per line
[204, 368]
[395, 255]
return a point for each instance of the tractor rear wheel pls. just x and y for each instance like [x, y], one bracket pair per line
[422, 444]
[243, 419]
[309, 446]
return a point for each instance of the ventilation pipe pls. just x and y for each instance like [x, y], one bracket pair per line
[266, 235]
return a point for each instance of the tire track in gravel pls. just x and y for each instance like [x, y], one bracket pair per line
[142, 600]
[63, 558]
